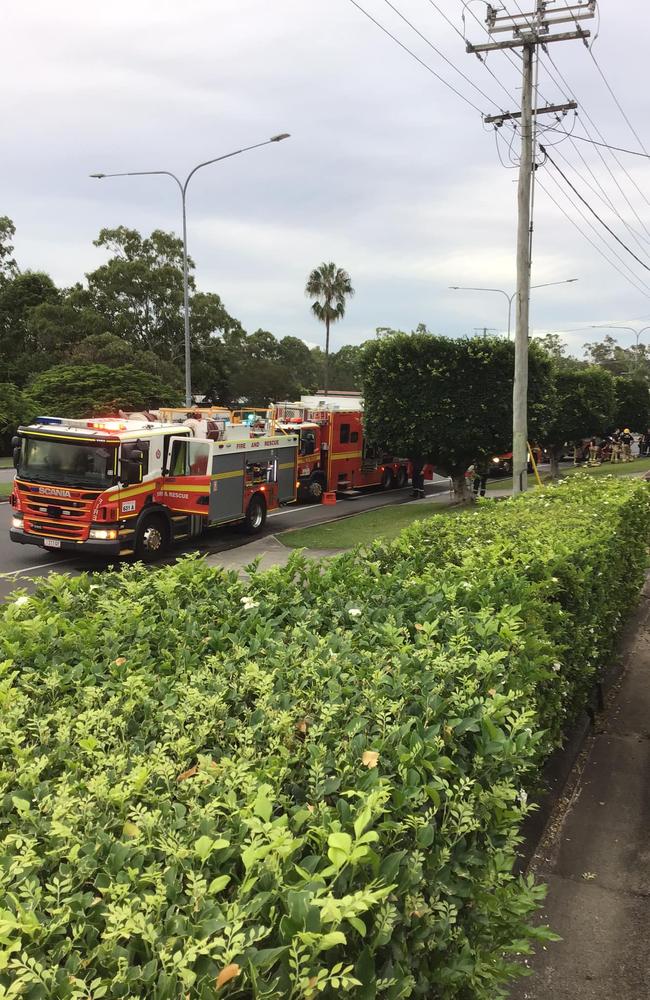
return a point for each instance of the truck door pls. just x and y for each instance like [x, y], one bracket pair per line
[186, 485]
[227, 493]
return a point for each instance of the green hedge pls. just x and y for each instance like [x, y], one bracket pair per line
[310, 784]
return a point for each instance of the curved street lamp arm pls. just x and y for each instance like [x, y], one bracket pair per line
[470, 288]
[226, 156]
[141, 173]
[547, 284]
[613, 326]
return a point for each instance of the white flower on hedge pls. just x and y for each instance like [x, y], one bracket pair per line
[23, 599]
[557, 666]
[249, 603]
[354, 612]
[523, 796]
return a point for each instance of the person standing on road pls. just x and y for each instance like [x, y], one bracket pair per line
[626, 440]
[481, 470]
[417, 478]
[594, 451]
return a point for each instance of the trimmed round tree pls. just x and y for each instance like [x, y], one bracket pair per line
[584, 405]
[632, 403]
[92, 390]
[446, 401]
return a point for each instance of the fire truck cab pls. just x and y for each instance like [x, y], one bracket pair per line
[333, 454]
[119, 487]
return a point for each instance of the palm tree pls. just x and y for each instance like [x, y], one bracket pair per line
[330, 286]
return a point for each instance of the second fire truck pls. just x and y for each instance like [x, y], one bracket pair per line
[334, 454]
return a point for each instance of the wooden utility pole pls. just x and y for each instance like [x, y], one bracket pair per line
[529, 31]
[522, 299]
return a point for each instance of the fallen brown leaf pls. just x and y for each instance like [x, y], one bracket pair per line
[227, 973]
[191, 771]
[370, 758]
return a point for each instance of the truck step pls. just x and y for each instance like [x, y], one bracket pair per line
[349, 494]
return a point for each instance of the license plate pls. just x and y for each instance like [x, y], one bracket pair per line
[52, 543]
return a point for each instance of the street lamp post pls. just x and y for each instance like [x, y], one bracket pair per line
[183, 189]
[631, 329]
[510, 298]
[612, 326]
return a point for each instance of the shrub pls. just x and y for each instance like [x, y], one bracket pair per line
[305, 785]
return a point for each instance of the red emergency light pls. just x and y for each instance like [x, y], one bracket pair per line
[106, 425]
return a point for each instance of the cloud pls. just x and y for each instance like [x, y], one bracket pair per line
[386, 172]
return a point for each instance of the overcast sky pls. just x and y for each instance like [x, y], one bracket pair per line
[387, 172]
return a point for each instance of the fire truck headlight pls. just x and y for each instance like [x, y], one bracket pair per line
[17, 521]
[105, 534]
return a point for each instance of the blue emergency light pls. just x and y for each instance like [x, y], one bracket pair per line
[49, 420]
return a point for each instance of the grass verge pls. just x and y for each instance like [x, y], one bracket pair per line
[373, 525]
[637, 466]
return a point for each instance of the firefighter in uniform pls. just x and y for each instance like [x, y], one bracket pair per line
[616, 447]
[626, 441]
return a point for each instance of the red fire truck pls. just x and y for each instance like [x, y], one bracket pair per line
[334, 454]
[116, 486]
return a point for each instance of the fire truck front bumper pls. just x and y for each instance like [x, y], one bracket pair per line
[96, 546]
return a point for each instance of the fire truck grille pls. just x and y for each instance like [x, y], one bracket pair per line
[57, 529]
[63, 517]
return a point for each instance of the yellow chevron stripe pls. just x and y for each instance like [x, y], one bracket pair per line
[64, 437]
[198, 513]
[134, 492]
[228, 475]
[178, 488]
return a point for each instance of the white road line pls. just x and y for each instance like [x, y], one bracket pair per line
[29, 569]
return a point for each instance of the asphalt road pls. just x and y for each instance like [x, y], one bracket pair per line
[22, 565]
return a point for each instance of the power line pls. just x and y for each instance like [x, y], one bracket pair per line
[604, 197]
[644, 290]
[618, 104]
[438, 52]
[448, 20]
[592, 210]
[416, 57]
[605, 145]
[478, 55]
[609, 170]
[510, 56]
[602, 138]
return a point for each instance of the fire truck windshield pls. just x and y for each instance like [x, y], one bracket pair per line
[70, 462]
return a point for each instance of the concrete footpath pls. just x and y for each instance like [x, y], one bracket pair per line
[595, 857]
[268, 550]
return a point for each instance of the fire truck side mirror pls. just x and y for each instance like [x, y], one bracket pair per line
[15, 450]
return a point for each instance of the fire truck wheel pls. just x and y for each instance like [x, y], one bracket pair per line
[255, 515]
[152, 539]
[401, 479]
[316, 487]
[387, 479]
